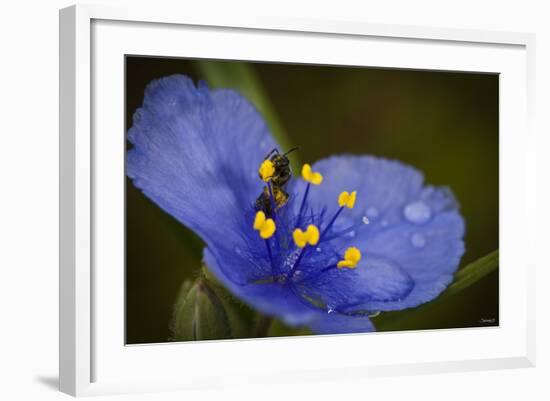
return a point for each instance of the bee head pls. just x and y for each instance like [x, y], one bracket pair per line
[281, 160]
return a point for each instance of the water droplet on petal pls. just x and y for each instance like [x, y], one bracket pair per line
[330, 310]
[351, 234]
[365, 220]
[417, 212]
[372, 213]
[318, 249]
[418, 240]
[237, 250]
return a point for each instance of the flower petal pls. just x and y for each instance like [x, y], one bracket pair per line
[272, 299]
[336, 323]
[374, 279]
[416, 228]
[429, 253]
[196, 154]
[281, 301]
[383, 187]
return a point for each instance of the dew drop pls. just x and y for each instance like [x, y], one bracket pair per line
[237, 250]
[417, 212]
[318, 249]
[418, 240]
[351, 234]
[372, 213]
[365, 220]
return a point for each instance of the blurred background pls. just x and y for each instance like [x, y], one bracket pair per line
[443, 123]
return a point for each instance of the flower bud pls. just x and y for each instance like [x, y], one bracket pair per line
[204, 311]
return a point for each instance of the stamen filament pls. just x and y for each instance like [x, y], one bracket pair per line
[325, 269]
[296, 264]
[346, 230]
[314, 274]
[302, 206]
[329, 225]
[302, 240]
[270, 257]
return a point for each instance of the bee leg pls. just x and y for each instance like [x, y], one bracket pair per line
[274, 150]
[263, 203]
[281, 198]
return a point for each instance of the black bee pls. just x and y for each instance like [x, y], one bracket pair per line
[278, 181]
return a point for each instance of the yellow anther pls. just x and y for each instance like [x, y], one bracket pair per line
[303, 238]
[313, 234]
[351, 258]
[267, 169]
[311, 176]
[346, 199]
[266, 227]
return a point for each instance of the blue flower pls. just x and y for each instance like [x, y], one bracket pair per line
[358, 234]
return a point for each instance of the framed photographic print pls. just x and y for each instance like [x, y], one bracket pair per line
[244, 190]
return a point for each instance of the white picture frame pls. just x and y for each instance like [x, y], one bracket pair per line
[93, 356]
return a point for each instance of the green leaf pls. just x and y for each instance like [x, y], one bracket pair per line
[243, 78]
[472, 273]
[206, 311]
[413, 318]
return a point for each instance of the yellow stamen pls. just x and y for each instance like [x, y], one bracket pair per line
[303, 238]
[351, 258]
[346, 199]
[313, 234]
[266, 227]
[267, 169]
[311, 176]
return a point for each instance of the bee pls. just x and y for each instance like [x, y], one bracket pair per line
[278, 181]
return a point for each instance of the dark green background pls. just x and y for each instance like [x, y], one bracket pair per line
[443, 123]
